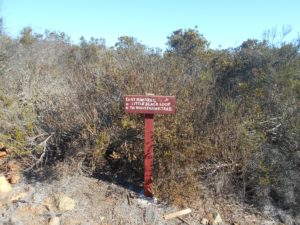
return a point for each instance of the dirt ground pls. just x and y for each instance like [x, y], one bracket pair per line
[75, 199]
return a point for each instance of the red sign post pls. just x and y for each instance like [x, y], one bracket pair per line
[149, 105]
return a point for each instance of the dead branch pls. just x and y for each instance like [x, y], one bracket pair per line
[177, 214]
[40, 160]
[183, 220]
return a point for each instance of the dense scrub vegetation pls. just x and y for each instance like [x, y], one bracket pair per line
[236, 127]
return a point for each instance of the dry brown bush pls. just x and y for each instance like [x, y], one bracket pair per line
[64, 102]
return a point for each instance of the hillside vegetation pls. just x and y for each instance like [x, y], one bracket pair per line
[236, 127]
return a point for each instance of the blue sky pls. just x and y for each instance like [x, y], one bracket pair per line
[225, 23]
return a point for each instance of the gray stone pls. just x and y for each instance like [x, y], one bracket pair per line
[65, 203]
[54, 221]
[217, 219]
[204, 221]
[4, 186]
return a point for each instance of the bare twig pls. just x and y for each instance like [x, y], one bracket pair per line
[128, 199]
[40, 160]
[183, 220]
[177, 214]
[40, 135]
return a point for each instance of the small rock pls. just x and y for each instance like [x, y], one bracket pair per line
[54, 221]
[3, 154]
[13, 179]
[13, 173]
[50, 204]
[204, 221]
[65, 203]
[4, 185]
[217, 219]
[18, 197]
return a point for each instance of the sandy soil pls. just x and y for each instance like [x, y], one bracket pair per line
[36, 202]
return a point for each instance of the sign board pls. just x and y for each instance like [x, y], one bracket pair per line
[149, 104]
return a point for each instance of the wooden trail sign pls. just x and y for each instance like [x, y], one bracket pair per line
[149, 105]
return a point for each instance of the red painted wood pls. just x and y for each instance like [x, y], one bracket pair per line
[148, 160]
[149, 104]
